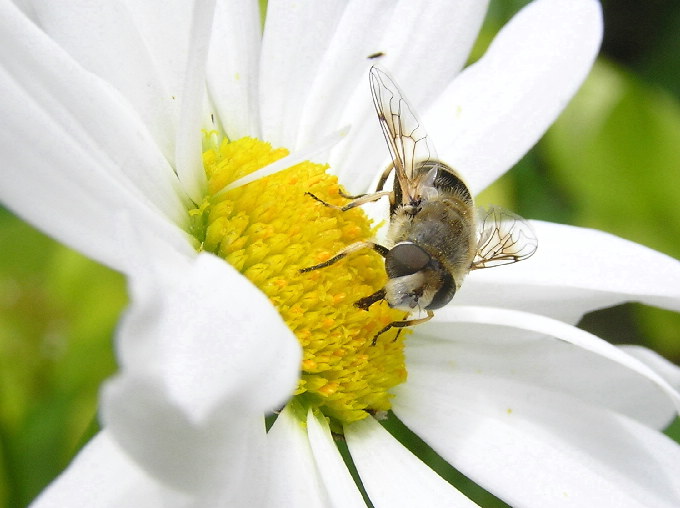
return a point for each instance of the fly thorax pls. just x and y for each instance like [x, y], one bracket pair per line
[412, 208]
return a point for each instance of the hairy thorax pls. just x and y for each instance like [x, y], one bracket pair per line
[444, 226]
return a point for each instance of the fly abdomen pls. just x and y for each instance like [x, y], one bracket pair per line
[448, 181]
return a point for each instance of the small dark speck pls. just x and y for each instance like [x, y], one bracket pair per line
[377, 54]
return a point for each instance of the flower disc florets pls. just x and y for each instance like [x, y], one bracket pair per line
[270, 229]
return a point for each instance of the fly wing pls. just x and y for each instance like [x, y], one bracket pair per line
[503, 238]
[406, 138]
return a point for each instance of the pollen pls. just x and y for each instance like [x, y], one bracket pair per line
[269, 230]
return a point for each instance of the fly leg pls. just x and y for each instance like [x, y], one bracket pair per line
[384, 177]
[369, 300]
[350, 196]
[348, 250]
[402, 324]
[361, 200]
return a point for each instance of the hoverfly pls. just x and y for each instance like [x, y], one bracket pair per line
[436, 235]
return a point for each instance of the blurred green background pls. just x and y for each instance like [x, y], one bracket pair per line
[612, 162]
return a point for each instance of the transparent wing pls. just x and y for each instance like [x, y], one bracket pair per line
[504, 238]
[406, 138]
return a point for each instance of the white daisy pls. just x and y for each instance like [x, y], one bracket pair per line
[103, 106]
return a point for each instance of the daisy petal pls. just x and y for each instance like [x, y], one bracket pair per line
[79, 169]
[532, 447]
[295, 31]
[444, 30]
[574, 271]
[667, 370]
[290, 452]
[109, 39]
[167, 31]
[201, 334]
[392, 475]
[339, 92]
[342, 491]
[513, 345]
[219, 458]
[233, 67]
[188, 147]
[451, 28]
[102, 475]
[198, 362]
[330, 88]
[342, 68]
[500, 106]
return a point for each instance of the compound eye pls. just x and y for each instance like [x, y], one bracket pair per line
[405, 259]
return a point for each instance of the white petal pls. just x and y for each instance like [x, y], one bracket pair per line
[342, 491]
[343, 66]
[188, 146]
[103, 476]
[513, 345]
[73, 178]
[394, 29]
[329, 87]
[574, 271]
[115, 42]
[233, 67]
[166, 28]
[106, 40]
[499, 107]
[208, 334]
[667, 370]
[425, 43]
[170, 30]
[392, 475]
[294, 479]
[296, 36]
[221, 457]
[536, 448]
[204, 355]
[148, 253]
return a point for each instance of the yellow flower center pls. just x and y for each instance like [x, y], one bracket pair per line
[269, 230]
